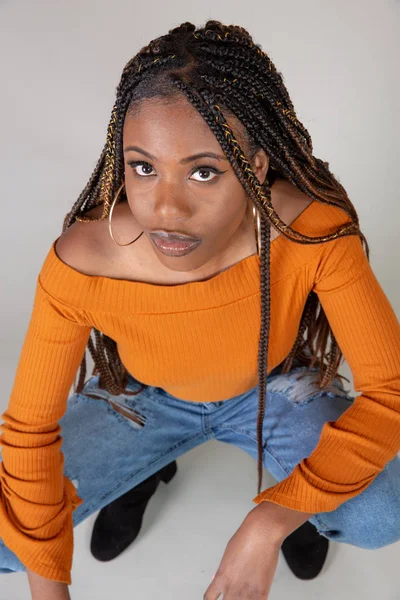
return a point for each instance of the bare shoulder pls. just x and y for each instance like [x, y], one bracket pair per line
[292, 202]
[80, 246]
[88, 247]
[289, 201]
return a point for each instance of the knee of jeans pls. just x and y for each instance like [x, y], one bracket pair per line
[382, 526]
[301, 386]
[360, 534]
[370, 524]
[377, 536]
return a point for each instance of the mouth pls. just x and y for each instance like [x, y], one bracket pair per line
[174, 245]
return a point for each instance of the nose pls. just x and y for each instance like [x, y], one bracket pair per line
[171, 202]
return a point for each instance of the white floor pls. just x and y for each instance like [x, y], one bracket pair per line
[185, 530]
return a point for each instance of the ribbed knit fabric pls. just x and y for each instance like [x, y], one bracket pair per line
[199, 341]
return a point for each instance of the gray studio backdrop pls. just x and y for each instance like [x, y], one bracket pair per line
[60, 63]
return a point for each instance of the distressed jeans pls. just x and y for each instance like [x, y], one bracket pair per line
[113, 443]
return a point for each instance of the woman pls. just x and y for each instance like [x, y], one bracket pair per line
[206, 214]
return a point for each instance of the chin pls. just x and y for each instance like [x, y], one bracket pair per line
[180, 264]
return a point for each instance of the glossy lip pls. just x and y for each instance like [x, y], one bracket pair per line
[174, 237]
[174, 247]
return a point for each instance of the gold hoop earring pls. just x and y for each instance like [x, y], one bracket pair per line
[110, 217]
[257, 229]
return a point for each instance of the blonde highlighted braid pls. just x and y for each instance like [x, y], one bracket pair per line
[221, 71]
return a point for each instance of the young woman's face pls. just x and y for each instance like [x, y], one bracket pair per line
[170, 191]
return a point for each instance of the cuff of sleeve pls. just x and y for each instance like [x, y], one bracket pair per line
[304, 491]
[50, 558]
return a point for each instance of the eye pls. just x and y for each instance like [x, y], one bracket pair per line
[206, 171]
[143, 165]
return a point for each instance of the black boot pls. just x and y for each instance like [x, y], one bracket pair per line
[118, 524]
[305, 551]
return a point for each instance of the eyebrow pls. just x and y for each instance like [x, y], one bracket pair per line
[184, 160]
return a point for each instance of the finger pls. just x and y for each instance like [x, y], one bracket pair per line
[214, 591]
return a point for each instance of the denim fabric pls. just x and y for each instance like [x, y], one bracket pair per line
[112, 443]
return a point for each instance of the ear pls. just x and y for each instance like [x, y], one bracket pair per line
[260, 165]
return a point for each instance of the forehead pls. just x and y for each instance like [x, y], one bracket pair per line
[174, 126]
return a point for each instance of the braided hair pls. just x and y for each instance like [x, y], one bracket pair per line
[221, 71]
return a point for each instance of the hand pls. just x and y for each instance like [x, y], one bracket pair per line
[250, 559]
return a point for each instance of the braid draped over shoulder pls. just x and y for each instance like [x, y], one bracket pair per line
[221, 71]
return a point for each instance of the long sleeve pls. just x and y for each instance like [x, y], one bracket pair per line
[355, 448]
[36, 499]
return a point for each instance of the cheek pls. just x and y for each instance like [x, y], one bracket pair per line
[139, 199]
[135, 203]
[229, 219]
[138, 187]
[138, 211]
[234, 208]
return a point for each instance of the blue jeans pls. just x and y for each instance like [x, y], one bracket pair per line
[106, 453]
